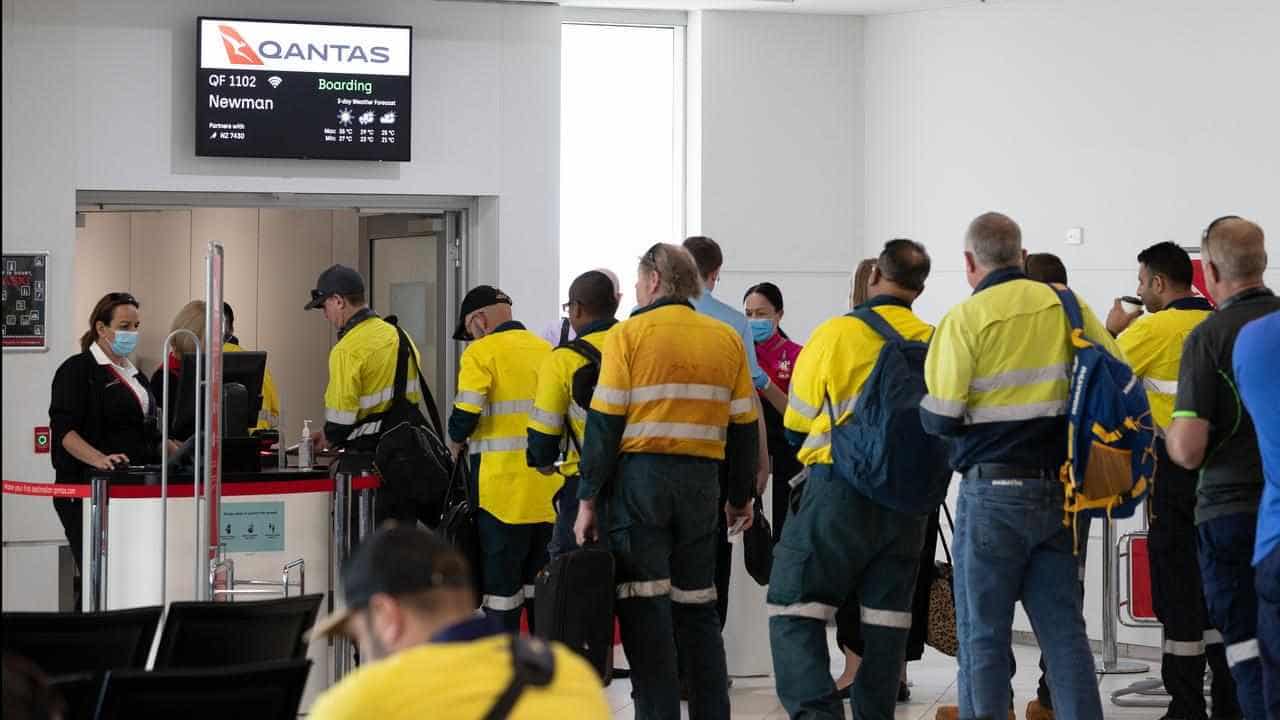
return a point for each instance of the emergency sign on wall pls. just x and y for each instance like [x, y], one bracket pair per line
[272, 89]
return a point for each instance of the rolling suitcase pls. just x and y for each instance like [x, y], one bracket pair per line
[575, 605]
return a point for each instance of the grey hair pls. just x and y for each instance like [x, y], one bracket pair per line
[995, 240]
[1237, 247]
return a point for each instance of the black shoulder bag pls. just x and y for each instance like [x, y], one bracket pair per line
[458, 524]
[533, 665]
[409, 455]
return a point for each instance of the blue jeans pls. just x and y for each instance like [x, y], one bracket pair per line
[1268, 580]
[1226, 549]
[1010, 546]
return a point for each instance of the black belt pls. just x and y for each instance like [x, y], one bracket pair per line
[1001, 471]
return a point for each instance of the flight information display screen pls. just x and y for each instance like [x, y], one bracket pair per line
[269, 89]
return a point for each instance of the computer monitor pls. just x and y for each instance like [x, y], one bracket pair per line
[243, 368]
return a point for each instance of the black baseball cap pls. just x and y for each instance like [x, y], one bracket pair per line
[337, 280]
[395, 560]
[481, 296]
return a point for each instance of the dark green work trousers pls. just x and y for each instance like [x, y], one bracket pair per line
[838, 545]
[662, 531]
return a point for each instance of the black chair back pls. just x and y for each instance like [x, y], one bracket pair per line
[218, 634]
[270, 691]
[67, 643]
[80, 692]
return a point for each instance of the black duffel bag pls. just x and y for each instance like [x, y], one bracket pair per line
[459, 524]
[757, 545]
[408, 453]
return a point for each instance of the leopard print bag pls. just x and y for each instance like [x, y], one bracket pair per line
[941, 633]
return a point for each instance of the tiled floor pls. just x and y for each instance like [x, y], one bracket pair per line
[933, 683]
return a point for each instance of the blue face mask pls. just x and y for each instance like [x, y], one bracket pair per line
[124, 342]
[761, 329]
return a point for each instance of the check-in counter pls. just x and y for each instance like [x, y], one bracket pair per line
[277, 528]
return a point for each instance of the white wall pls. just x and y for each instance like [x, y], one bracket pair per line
[1139, 121]
[101, 98]
[777, 142]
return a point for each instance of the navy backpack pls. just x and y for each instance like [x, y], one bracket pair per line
[883, 450]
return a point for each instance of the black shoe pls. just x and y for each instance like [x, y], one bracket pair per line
[904, 693]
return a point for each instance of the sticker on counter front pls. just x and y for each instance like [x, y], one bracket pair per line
[252, 526]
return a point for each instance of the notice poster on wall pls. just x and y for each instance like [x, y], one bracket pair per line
[271, 89]
[25, 293]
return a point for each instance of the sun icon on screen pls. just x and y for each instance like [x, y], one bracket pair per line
[345, 117]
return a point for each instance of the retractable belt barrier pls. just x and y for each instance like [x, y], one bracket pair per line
[271, 487]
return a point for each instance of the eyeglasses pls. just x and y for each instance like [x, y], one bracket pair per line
[317, 294]
[651, 258]
[1204, 237]
[565, 307]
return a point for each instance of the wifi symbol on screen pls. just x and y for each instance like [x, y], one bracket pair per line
[275, 81]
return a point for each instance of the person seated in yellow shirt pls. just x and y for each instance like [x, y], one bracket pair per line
[269, 416]
[410, 608]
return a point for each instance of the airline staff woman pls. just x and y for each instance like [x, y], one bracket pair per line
[777, 355]
[101, 410]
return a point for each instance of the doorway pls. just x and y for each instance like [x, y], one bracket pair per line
[411, 250]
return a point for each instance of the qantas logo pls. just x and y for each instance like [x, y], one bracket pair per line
[238, 51]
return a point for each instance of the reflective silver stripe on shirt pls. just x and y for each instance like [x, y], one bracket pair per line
[945, 408]
[503, 602]
[679, 431]
[340, 417]
[811, 610]
[369, 428]
[1212, 637]
[1184, 648]
[801, 407]
[507, 407]
[680, 391]
[612, 396]
[551, 420]
[844, 407]
[1242, 652]
[886, 618]
[530, 591]
[742, 407]
[576, 413]
[1018, 378]
[506, 444]
[693, 597]
[375, 399]
[644, 589]
[813, 442]
[1164, 387]
[270, 418]
[1014, 413]
[468, 397]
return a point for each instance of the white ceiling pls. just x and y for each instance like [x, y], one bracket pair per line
[829, 7]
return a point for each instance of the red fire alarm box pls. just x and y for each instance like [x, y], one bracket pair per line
[42, 440]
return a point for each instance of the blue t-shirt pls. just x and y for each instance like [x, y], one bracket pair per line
[1257, 346]
[708, 305]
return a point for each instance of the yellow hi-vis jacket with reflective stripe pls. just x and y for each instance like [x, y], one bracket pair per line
[554, 401]
[362, 375]
[497, 380]
[1153, 346]
[673, 382]
[832, 368]
[998, 370]
[269, 415]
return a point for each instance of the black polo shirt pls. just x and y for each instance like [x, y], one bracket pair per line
[1231, 475]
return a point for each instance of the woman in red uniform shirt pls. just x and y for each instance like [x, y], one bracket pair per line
[777, 355]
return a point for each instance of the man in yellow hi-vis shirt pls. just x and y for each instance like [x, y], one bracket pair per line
[674, 400]
[362, 365]
[1153, 346]
[410, 608]
[497, 379]
[590, 310]
[269, 415]
[997, 373]
[840, 544]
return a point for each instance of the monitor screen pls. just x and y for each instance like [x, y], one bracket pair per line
[272, 89]
[245, 368]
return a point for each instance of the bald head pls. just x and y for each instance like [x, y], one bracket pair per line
[1236, 248]
[995, 241]
[613, 279]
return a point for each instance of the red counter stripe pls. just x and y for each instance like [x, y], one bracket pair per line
[13, 487]
[131, 492]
